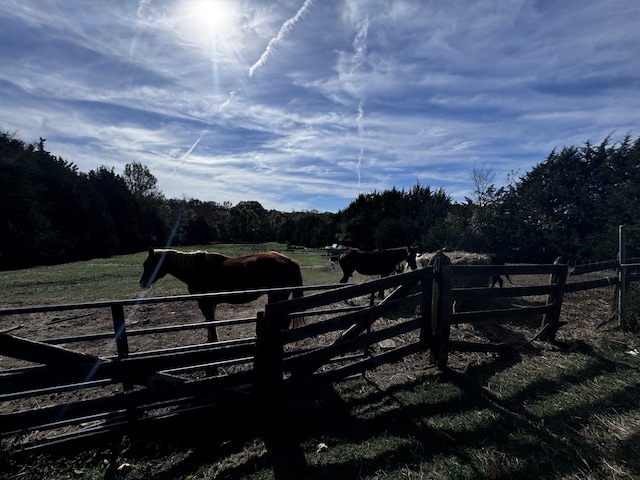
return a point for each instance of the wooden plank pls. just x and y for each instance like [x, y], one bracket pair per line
[140, 400]
[138, 368]
[426, 334]
[150, 330]
[488, 292]
[302, 366]
[345, 292]
[268, 363]
[591, 284]
[120, 329]
[555, 300]
[441, 309]
[150, 427]
[444, 312]
[522, 269]
[155, 300]
[39, 352]
[362, 318]
[362, 366]
[488, 315]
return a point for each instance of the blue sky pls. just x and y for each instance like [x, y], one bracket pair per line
[302, 105]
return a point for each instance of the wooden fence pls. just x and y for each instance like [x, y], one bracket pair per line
[80, 397]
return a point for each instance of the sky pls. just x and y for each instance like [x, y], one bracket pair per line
[303, 105]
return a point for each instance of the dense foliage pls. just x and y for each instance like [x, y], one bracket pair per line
[570, 204]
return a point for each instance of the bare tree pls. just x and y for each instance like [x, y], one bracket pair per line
[482, 178]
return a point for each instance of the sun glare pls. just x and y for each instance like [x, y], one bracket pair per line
[211, 19]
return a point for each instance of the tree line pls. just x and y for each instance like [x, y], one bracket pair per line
[570, 204]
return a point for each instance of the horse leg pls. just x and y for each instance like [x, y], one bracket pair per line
[346, 273]
[208, 309]
[381, 292]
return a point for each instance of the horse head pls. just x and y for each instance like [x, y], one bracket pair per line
[411, 257]
[152, 268]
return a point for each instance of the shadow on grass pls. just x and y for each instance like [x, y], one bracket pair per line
[438, 425]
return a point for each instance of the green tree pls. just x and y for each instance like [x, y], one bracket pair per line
[122, 208]
[141, 182]
[152, 211]
[572, 203]
[395, 218]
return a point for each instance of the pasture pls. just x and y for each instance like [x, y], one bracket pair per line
[564, 410]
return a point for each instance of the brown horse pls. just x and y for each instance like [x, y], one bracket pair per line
[379, 262]
[205, 272]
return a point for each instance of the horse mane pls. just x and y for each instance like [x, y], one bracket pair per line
[189, 265]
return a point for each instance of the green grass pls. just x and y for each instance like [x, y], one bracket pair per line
[99, 279]
[117, 277]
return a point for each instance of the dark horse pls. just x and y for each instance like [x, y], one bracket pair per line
[379, 262]
[205, 272]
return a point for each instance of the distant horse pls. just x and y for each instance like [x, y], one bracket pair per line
[205, 272]
[378, 262]
[497, 279]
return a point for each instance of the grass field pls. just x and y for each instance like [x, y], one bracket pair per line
[117, 277]
[570, 410]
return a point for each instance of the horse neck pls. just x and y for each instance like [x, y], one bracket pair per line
[179, 264]
[399, 254]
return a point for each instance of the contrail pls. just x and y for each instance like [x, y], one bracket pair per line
[184, 157]
[226, 103]
[360, 44]
[359, 57]
[284, 31]
[361, 134]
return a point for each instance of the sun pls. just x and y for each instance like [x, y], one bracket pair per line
[208, 20]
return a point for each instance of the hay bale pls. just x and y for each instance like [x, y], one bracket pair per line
[460, 257]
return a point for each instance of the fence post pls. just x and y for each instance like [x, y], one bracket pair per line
[551, 320]
[278, 428]
[268, 361]
[440, 310]
[119, 328]
[426, 334]
[623, 280]
[122, 344]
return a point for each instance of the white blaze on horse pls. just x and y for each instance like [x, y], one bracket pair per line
[206, 272]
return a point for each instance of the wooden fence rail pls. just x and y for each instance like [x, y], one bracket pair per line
[81, 396]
